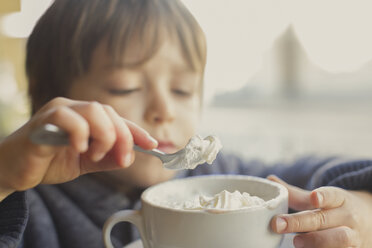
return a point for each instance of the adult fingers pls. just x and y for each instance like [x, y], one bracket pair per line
[311, 220]
[330, 213]
[298, 199]
[323, 197]
[339, 237]
[328, 197]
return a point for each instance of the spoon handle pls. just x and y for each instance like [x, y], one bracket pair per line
[154, 152]
[50, 134]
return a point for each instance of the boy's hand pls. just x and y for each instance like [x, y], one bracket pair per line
[24, 165]
[330, 217]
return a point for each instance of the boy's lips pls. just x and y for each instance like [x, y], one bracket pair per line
[167, 147]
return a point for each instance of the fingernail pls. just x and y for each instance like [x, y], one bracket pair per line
[127, 159]
[319, 196]
[298, 242]
[153, 140]
[281, 224]
[83, 146]
[97, 156]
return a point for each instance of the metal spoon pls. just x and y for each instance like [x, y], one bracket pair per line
[50, 134]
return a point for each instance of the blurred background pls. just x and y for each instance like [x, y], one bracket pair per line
[284, 78]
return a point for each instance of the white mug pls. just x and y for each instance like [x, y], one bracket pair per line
[165, 227]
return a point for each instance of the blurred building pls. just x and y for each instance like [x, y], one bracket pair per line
[289, 74]
[293, 107]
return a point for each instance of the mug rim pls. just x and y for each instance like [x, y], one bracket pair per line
[270, 204]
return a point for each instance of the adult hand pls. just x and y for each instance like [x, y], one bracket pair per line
[24, 165]
[328, 217]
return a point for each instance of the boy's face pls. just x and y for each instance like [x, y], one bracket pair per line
[162, 96]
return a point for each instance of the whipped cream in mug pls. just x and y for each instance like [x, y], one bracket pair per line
[197, 151]
[221, 202]
[224, 200]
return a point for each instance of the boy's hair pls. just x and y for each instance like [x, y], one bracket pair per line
[62, 43]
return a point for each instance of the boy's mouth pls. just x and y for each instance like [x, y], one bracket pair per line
[167, 147]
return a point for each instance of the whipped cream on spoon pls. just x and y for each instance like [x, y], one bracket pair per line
[197, 151]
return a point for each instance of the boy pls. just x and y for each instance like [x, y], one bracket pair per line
[91, 63]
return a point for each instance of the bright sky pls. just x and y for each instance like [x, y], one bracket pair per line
[337, 34]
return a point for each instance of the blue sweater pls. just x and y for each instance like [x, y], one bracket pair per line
[72, 214]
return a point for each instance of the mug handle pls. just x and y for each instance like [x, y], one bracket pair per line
[132, 216]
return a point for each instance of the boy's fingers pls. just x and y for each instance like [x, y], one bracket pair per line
[73, 123]
[102, 130]
[328, 197]
[55, 103]
[311, 220]
[109, 162]
[123, 148]
[339, 237]
[298, 199]
[141, 136]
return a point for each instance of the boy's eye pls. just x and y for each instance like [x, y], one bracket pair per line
[123, 91]
[181, 92]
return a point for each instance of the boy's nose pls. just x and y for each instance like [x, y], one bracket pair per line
[159, 110]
